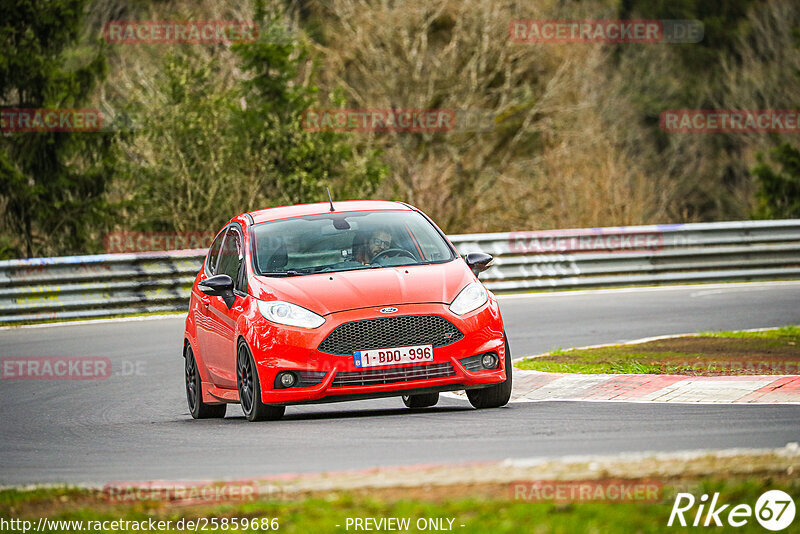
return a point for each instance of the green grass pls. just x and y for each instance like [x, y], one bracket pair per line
[773, 351]
[614, 359]
[783, 332]
[322, 514]
[606, 360]
[587, 369]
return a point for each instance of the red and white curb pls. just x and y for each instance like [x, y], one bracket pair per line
[536, 386]
[532, 386]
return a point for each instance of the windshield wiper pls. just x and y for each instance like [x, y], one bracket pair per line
[330, 269]
[290, 272]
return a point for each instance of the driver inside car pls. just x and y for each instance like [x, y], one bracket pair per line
[377, 242]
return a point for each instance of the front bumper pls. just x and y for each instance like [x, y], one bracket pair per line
[277, 349]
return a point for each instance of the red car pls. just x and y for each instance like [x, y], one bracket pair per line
[340, 301]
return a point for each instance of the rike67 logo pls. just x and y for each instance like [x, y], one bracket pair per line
[774, 511]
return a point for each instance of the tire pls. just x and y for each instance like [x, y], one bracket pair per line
[250, 389]
[194, 390]
[424, 400]
[493, 396]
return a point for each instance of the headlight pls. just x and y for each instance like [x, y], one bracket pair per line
[290, 314]
[471, 298]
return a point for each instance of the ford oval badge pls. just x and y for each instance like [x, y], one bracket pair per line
[388, 310]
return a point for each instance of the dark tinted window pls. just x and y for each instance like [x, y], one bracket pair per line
[241, 283]
[213, 253]
[229, 257]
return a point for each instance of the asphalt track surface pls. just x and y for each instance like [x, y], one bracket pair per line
[135, 425]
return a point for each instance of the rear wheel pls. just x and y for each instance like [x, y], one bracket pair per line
[493, 396]
[250, 389]
[194, 390]
[424, 400]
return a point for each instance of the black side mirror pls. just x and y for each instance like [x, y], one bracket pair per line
[478, 261]
[220, 285]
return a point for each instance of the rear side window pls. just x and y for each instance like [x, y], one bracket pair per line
[213, 253]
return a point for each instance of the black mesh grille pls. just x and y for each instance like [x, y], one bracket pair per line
[310, 378]
[305, 379]
[473, 363]
[386, 332]
[395, 374]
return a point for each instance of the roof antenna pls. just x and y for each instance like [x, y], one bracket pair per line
[329, 198]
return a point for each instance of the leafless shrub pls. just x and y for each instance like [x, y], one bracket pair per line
[570, 144]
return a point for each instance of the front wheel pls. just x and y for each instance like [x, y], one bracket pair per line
[250, 389]
[194, 391]
[424, 400]
[493, 396]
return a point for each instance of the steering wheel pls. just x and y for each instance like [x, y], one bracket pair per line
[395, 252]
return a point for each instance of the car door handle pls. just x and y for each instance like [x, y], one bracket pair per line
[205, 300]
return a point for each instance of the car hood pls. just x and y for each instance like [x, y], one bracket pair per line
[326, 293]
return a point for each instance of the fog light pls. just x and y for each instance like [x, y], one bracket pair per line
[287, 379]
[489, 361]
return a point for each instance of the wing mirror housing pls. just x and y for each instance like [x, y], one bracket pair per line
[220, 285]
[478, 261]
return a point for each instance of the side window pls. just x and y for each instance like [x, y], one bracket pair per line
[229, 261]
[213, 253]
[241, 282]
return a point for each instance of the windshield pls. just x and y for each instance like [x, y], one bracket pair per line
[346, 241]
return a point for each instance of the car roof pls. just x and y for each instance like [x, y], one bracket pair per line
[318, 208]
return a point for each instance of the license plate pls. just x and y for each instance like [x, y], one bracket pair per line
[378, 357]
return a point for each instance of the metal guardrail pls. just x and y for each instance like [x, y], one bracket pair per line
[114, 284]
